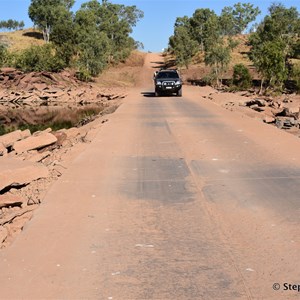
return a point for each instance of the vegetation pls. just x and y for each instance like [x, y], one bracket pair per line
[183, 45]
[234, 20]
[241, 77]
[39, 58]
[273, 43]
[296, 75]
[210, 34]
[97, 35]
[12, 24]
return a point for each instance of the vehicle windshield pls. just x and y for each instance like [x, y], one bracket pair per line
[167, 75]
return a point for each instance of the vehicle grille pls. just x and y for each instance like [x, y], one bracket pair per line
[168, 83]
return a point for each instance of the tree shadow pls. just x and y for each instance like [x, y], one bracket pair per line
[164, 65]
[34, 34]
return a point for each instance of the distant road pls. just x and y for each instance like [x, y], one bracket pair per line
[176, 198]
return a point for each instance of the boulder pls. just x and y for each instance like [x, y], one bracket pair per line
[268, 119]
[14, 172]
[37, 157]
[72, 132]
[10, 138]
[35, 142]
[258, 102]
[7, 70]
[9, 199]
[289, 112]
[285, 122]
[25, 133]
[258, 108]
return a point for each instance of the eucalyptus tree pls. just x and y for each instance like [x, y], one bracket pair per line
[47, 13]
[274, 43]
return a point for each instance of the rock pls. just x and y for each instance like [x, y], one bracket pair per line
[292, 112]
[252, 102]
[268, 119]
[61, 137]
[256, 107]
[14, 172]
[35, 142]
[72, 132]
[10, 138]
[286, 122]
[7, 70]
[9, 199]
[3, 150]
[38, 156]
[25, 133]
[40, 86]
[38, 133]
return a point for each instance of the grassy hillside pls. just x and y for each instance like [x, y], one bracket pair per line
[198, 69]
[21, 39]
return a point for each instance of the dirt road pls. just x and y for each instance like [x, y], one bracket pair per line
[176, 198]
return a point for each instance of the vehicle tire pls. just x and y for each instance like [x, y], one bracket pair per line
[179, 93]
[156, 93]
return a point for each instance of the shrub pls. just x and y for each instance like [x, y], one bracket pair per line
[241, 77]
[84, 75]
[296, 76]
[39, 58]
[3, 54]
[210, 79]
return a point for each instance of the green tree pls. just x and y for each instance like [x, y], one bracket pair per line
[241, 76]
[21, 25]
[234, 20]
[218, 57]
[204, 26]
[183, 46]
[273, 44]
[63, 36]
[12, 24]
[93, 50]
[115, 20]
[47, 13]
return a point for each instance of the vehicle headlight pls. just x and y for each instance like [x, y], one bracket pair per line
[158, 82]
[178, 82]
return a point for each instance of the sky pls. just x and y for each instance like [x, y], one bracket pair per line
[157, 25]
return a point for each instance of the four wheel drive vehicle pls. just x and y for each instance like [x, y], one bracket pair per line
[167, 82]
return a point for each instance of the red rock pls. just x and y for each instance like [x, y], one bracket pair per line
[25, 133]
[34, 142]
[7, 70]
[14, 172]
[10, 138]
[61, 137]
[9, 199]
[268, 119]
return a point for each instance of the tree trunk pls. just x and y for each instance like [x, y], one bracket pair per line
[46, 34]
[261, 86]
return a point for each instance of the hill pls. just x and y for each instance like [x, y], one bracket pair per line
[21, 39]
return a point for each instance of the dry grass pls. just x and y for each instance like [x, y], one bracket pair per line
[21, 39]
[125, 74]
[198, 69]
